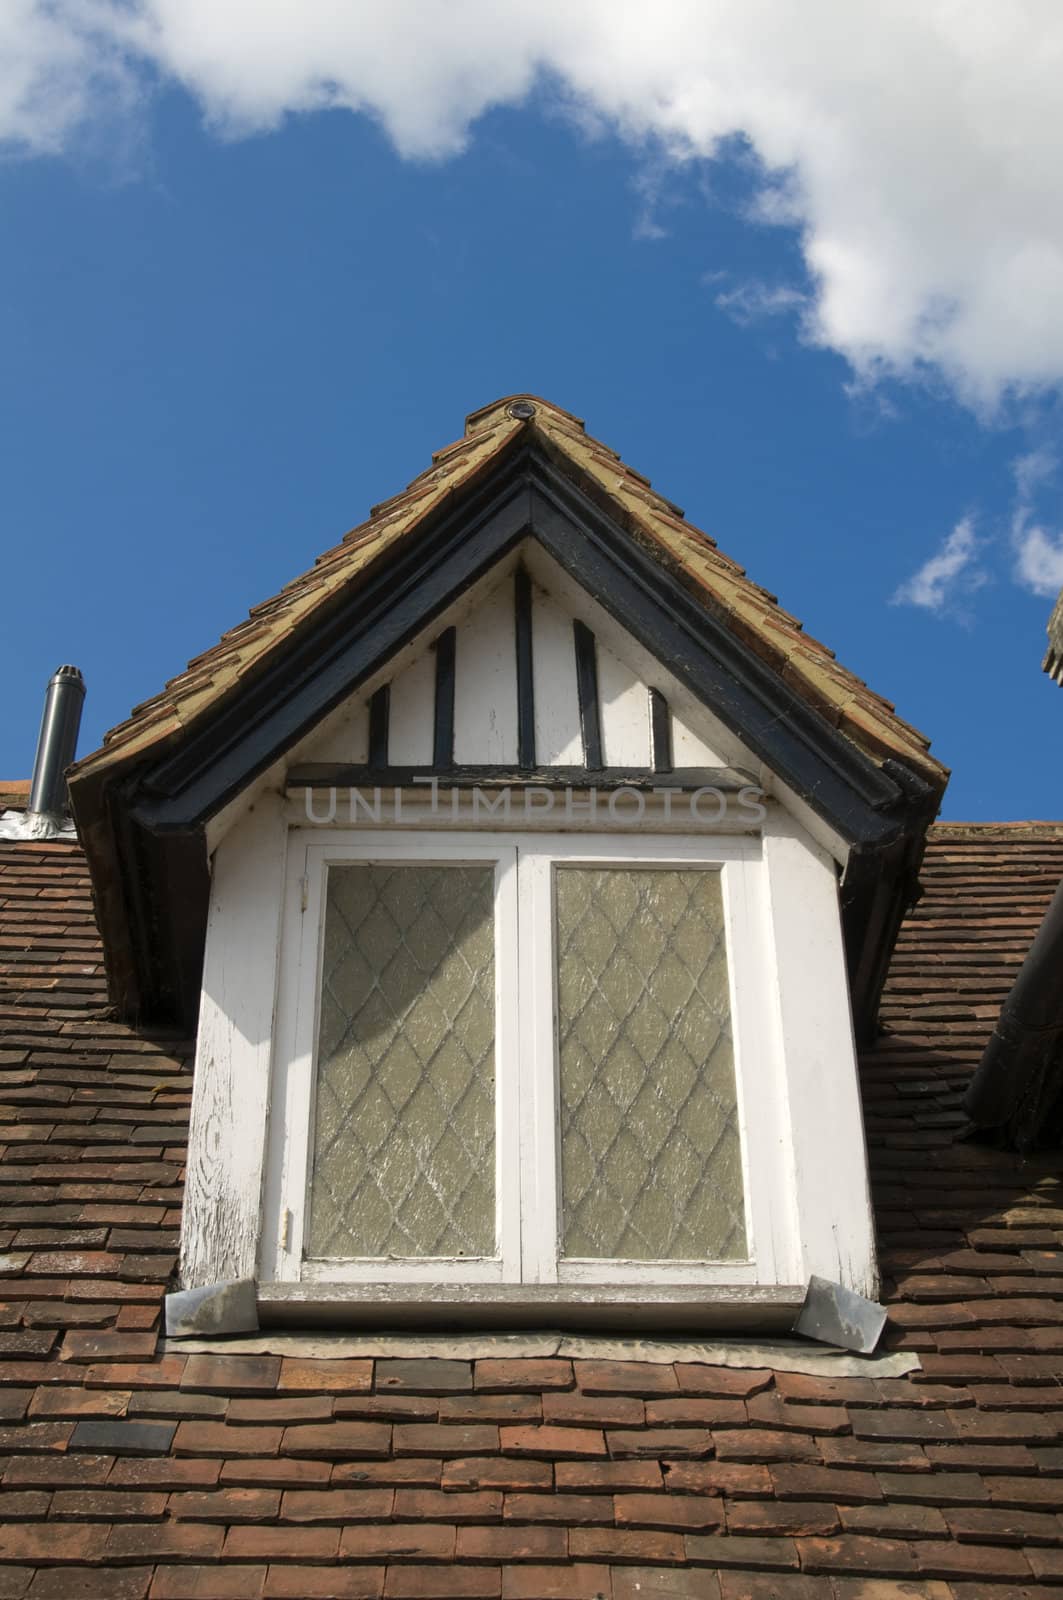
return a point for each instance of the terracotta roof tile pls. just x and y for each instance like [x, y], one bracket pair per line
[14, 793]
[127, 1471]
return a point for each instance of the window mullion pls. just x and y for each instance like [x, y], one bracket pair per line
[537, 1070]
[508, 1088]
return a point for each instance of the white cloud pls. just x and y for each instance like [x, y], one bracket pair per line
[755, 301]
[1031, 472]
[60, 67]
[917, 146]
[1038, 553]
[952, 571]
[1039, 561]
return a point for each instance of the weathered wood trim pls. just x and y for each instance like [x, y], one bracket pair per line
[443, 742]
[814, 1031]
[230, 1096]
[660, 732]
[325, 775]
[738, 1306]
[522, 607]
[590, 715]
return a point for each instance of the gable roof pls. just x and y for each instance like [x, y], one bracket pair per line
[865, 718]
[131, 1468]
[524, 469]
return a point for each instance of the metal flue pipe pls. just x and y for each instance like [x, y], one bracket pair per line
[57, 742]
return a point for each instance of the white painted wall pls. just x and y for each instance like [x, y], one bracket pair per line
[689, 749]
[813, 1032]
[411, 726]
[625, 711]
[230, 1095]
[558, 740]
[485, 682]
[343, 737]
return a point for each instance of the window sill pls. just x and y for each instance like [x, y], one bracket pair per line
[675, 1307]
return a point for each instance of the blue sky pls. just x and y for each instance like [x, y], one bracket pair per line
[220, 351]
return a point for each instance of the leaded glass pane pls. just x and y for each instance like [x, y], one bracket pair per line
[404, 1118]
[651, 1164]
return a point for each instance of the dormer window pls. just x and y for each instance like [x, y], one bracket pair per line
[519, 1060]
[526, 870]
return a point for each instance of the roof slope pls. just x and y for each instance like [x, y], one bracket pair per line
[754, 614]
[129, 1471]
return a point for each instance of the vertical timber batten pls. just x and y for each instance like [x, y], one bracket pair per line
[379, 717]
[587, 687]
[443, 739]
[660, 732]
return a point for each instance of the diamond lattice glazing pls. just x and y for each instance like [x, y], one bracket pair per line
[404, 1118]
[650, 1156]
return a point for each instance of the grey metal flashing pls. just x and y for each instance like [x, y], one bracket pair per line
[837, 1316]
[777, 1355]
[36, 825]
[217, 1308]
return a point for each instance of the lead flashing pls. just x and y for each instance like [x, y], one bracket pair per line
[836, 1316]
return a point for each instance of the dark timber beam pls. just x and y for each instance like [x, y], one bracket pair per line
[590, 715]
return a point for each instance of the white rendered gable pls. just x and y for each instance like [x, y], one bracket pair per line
[485, 711]
[485, 692]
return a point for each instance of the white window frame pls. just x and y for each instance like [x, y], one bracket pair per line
[734, 859]
[294, 1066]
[527, 1128]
